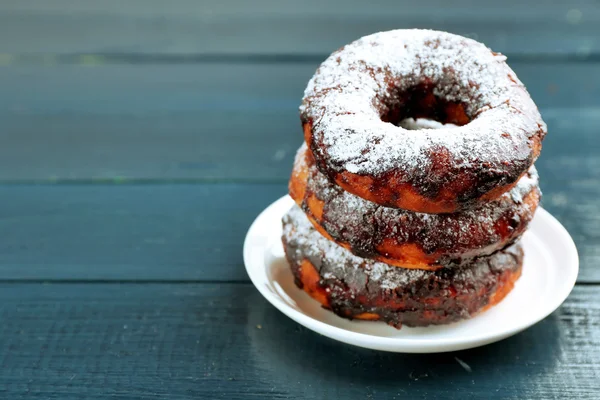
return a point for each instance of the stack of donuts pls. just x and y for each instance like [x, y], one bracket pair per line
[415, 181]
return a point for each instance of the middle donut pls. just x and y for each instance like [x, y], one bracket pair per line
[405, 238]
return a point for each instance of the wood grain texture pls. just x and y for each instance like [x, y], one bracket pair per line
[276, 27]
[186, 232]
[570, 179]
[128, 232]
[225, 341]
[207, 121]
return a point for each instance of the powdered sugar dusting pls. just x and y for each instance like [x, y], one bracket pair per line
[344, 98]
[413, 124]
[528, 181]
[299, 231]
[335, 261]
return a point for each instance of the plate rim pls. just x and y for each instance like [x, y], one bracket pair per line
[404, 345]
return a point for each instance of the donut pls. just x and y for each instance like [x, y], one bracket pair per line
[354, 105]
[357, 288]
[405, 238]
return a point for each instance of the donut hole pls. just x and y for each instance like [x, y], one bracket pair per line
[412, 124]
[419, 108]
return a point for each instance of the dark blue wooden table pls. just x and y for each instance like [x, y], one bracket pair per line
[139, 139]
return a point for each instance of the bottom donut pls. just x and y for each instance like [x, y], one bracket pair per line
[357, 288]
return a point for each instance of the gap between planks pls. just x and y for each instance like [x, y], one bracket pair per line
[98, 59]
[125, 281]
[124, 181]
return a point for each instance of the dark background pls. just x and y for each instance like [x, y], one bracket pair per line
[139, 139]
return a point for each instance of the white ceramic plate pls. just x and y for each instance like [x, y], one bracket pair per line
[549, 273]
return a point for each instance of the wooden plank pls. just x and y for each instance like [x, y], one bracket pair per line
[224, 341]
[186, 232]
[275, 27]
[128, 232]
[206, 121]
[570, 178]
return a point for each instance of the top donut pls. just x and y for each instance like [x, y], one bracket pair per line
[354, 104]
